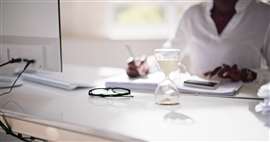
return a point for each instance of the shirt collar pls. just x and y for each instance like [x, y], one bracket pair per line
[241, 5]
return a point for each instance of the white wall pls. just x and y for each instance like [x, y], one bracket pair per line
[30, 29]
[27, 18]
[83, 19]
[104, 52]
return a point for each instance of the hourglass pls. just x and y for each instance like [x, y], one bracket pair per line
[166, 93]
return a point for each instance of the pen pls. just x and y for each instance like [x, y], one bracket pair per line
[130, 51]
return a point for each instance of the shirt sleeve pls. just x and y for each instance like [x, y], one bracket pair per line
[181, 38]
[181, 35]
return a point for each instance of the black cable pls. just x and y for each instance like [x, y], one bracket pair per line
[5, 126]
[16, 60]
[28, 62]
[9, 131]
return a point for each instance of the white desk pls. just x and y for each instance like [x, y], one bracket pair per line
[60, 115]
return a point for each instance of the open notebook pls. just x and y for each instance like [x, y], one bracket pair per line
[149, 84]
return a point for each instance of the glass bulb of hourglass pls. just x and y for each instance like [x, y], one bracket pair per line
[166, 93]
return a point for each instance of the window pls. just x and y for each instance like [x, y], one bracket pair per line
[145, 20]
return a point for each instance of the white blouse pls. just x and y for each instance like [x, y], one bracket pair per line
[244, 41]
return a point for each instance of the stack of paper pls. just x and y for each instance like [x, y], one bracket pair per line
[146, 84]
[227, 89]
[149, 84]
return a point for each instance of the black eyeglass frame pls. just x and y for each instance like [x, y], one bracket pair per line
[125, 94]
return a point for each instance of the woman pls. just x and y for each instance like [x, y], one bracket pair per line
[231, 32]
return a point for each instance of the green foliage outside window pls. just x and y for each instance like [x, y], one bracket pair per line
[140, 15]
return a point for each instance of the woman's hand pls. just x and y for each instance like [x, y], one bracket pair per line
[233, 73]
[137, 68]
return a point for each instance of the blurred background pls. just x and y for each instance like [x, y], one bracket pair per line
[95, 32]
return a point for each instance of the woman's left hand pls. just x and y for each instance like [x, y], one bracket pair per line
[233, 73]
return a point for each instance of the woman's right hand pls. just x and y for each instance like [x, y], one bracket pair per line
[137, 68]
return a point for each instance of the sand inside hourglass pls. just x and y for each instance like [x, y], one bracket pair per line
[168, 101]
[168, 65]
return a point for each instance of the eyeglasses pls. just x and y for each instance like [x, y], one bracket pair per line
[110, 92]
